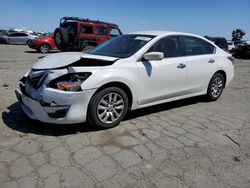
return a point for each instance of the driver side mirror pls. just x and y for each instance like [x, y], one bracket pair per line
[153, 56]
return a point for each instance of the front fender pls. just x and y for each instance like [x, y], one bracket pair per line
[108, 75]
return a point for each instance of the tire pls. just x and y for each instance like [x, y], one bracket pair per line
[215, 87]
[105, 113]
[44, 48]
[2, 41]
[61, 38]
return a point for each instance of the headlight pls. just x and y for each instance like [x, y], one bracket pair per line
[70, 81]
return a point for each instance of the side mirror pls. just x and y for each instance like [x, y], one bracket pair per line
[153, 56]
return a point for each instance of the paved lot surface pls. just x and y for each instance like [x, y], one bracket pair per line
[189, 143]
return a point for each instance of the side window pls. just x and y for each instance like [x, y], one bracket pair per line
[196, 46]
[23, 34]
[169, 46]
[14, 34]
[114, 32]
[101, 31]
[84, 29]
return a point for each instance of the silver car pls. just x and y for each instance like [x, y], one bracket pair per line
[17, 38]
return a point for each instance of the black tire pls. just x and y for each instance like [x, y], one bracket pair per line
[215, 87]
[44, 48]
[3, 41]
[95, 113]
[61, 38]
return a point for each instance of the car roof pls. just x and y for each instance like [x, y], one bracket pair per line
[162, 33]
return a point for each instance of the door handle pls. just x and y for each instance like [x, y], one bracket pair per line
[211, 60]
[181, 66]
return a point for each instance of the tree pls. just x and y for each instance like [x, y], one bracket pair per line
[237, 35]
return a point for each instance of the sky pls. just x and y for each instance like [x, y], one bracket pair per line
[210, 17]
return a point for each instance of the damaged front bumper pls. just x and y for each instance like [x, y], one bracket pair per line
[54, 106]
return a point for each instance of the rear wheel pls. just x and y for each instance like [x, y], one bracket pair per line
[215, 87]
[107, 108]
[44, 48]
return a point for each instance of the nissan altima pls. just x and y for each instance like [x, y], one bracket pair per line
[128, 72]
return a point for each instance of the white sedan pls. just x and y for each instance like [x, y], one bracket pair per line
[128, 72]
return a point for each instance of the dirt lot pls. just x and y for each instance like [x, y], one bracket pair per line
[189, 143]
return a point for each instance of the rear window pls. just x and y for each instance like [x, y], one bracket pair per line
[197, 46]
[101, 31]
[114, 32]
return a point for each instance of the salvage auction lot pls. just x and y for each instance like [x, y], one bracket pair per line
[188, 143]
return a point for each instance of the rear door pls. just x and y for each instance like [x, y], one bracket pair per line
[23, 38]
[201, 61]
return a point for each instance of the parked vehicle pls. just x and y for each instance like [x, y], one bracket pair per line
[83, 34]
[3, 33]
[242, 49]
[219, 41]
[17, 38]
[231, 45]
[43, 44]
[128, 72]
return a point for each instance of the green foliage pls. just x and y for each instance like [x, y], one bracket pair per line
[237, 35]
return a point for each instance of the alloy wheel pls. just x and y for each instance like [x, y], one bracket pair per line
[217, 87]
[44, 48]
[110, 108]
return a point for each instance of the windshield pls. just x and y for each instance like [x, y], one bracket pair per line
[122, 46]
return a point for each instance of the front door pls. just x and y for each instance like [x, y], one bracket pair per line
[166, 78]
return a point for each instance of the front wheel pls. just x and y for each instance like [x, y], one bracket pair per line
[107, 108]
[215, 87]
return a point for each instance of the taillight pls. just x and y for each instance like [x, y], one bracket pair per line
[231, 59]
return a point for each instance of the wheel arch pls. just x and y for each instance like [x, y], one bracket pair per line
[120, 85]
[224, 75]
[45, 43]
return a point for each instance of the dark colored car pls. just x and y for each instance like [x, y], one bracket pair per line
[83, 34]
[219, 41]
[43, 44]
[242, 50]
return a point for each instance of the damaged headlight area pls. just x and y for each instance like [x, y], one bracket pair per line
[70, 81]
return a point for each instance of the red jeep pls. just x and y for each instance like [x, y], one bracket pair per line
[83, 34]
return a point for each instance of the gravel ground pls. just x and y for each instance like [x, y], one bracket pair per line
[188, 143]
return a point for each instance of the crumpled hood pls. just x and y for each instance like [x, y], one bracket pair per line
[66, 59]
